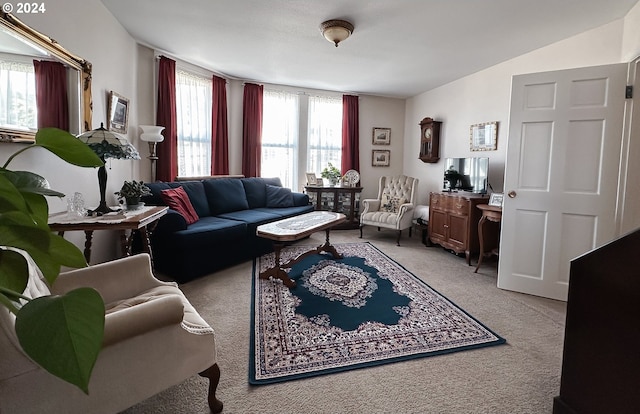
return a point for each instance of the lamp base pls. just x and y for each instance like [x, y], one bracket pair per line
[102, 209]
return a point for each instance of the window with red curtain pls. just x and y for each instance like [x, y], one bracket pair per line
[167, 151]
[51, 94]
[219, 128]
[251, 129]
[350, 134]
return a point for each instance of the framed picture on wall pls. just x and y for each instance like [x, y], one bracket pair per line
[118, 113]
[381, 136]
[484, 137]
[380, 158]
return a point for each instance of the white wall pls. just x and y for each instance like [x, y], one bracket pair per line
[485, 96]
[86, 28]
[631, 36]
[377, 112]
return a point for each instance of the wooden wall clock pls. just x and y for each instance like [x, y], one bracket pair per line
[430, 140]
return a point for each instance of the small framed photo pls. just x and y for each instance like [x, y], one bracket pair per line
[381, 136]
[380, 158]
[496, 199]
[118, 113]
[312, 179]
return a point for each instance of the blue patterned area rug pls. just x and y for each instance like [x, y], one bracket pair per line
[355, 312]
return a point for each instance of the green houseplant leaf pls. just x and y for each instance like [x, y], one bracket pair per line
[64, 333]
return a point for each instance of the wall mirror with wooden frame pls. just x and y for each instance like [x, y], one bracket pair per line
[19, 46]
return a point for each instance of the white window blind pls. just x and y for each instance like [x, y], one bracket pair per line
[18, 108]
[280, 136]
[193, 108]
[324, 133]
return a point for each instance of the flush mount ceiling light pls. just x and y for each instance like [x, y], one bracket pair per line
[336, 31]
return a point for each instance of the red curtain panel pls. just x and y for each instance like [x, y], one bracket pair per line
[350, 134]
[251, 129]
[51, 94]
[167, 151]
[219, 128]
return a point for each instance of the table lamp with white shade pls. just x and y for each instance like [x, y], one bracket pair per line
[153, 135]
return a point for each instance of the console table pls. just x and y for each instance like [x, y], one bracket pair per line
[345, 200]
[492, 214]
[143, 220]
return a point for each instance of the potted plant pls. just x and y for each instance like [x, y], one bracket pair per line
[332, 174]
[50, 329]
[131, 192]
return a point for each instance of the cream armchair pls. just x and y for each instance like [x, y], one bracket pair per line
[393, 209]
[153, 340]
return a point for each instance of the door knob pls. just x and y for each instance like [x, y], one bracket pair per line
[512, 194]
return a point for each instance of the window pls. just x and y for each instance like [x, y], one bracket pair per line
[300, 133]
[193, 107]
[18, 96]
[280, 136]
[324, 133]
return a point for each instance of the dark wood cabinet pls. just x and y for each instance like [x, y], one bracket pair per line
[453, 221]
[600, 363]
[345, 200]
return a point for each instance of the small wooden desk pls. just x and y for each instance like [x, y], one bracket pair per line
[296, 228]
[489, 213]
[143, 220]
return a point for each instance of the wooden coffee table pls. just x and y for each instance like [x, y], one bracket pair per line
[296, 228]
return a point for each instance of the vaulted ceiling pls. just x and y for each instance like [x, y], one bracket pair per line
[399, 48]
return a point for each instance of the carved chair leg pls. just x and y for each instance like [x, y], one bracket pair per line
[361, 231]
[213, 373]
[410, 231]
[398, 239]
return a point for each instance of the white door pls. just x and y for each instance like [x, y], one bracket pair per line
[561, 174]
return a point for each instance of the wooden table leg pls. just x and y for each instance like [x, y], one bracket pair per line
[481, 239]
[87, 245]
[124, 245]
[327, 247]
[277, 271]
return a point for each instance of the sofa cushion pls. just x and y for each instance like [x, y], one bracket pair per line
[178, 200]
[155, 199]
[210, 231]
[279, 196]
[253, 218]
[225, 195]
[286, 212]
[197, 196]
[256, 190]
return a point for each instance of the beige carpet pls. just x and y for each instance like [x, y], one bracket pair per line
[522, 376]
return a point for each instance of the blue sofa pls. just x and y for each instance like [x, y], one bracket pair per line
[229, 210]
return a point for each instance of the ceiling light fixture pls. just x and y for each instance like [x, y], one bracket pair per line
[336, 31]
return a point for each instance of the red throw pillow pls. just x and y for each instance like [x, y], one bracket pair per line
[178, 200]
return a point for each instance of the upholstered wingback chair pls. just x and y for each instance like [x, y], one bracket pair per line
[153, 340]
[393, 209]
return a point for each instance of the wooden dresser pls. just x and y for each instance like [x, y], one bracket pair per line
[453, 221]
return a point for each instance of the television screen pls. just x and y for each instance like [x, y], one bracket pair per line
[466, 174]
